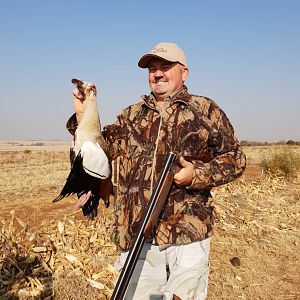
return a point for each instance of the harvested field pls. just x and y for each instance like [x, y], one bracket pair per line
[49, 251]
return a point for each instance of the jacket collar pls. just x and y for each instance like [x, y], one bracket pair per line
[181, 96]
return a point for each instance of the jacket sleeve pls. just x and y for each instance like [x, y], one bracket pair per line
[227, 160]
[72, 124]
[115, 136]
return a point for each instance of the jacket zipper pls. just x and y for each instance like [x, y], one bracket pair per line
[161, 113]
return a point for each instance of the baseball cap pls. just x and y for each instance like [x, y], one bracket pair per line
[167, 51]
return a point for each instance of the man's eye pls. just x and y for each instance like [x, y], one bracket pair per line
[166, 67]
[151, 70]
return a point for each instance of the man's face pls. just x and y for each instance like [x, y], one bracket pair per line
[165, 77]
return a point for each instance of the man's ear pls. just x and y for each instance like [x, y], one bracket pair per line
[185, 74]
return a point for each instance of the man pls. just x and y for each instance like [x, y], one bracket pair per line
[174, 264]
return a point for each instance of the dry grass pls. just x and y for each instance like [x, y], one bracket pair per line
[282, 163]
[35, 145]
[257, 222]
[255, 154]
[53, 256]
[28, 172]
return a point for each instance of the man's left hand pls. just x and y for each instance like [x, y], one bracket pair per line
[184, 177]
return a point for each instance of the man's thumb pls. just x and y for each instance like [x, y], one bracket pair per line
[183, 163]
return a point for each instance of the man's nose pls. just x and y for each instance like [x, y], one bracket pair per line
[158, 73]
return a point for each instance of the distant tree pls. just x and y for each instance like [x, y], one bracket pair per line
[245, 143]
[291, 142]
[37, 144]
[282, 142]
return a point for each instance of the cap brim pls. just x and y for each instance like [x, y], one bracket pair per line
[145, 60]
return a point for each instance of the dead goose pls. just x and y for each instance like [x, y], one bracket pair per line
[90, 173]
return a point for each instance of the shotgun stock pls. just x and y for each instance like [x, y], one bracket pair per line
[156, 204]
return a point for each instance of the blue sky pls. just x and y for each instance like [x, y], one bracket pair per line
[243, 54]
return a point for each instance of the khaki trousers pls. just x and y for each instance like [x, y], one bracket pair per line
[186, 278]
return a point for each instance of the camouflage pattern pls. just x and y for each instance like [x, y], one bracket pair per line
[191, 126]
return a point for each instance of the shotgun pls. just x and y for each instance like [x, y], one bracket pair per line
[156, 204]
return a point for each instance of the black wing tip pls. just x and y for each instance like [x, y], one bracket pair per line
[58, 198]
[106, 203]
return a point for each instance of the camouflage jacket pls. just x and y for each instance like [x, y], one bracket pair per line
[191, 126]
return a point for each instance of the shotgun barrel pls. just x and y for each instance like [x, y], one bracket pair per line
[156, 204]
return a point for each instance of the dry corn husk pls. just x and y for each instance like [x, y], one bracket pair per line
[68, 248]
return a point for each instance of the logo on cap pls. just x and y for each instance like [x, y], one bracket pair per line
[159, 50]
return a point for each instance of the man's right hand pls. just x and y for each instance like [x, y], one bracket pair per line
[79, 97]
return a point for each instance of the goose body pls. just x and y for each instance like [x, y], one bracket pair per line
[90, 173]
